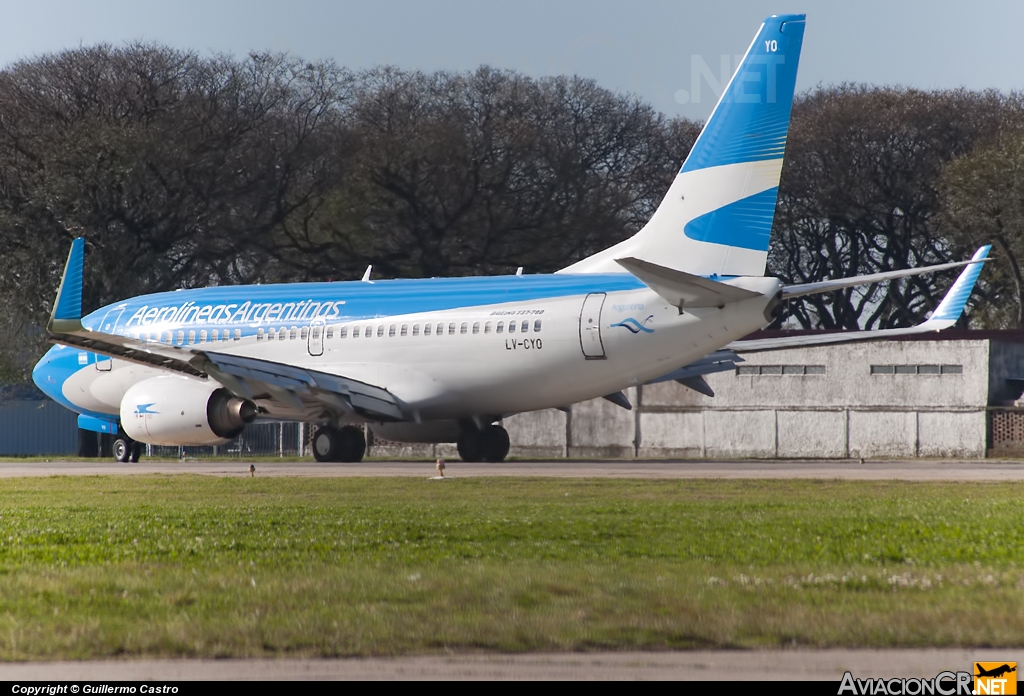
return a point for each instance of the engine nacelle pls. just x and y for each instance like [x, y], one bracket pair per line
[173, 410]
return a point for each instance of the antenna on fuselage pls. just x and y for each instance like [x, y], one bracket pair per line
[519, 271]
[366, 274]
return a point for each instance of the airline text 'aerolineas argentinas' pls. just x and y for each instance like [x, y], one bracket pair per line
[445, 359]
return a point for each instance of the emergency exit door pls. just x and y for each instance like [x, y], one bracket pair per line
[315, 343]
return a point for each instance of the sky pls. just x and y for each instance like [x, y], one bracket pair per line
[670, 53]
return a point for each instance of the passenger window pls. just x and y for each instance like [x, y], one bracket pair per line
[464, 328]
[426, 330]
[304, 333]
[238, 334]
[536, 326]
[525, 328]
[316, 332]
[271, 334]
[368, 333]
[380, 331]
[415, 329]
[215, 335]
[487, 327]
[355, 332]
[343, 332]
[501, 327]
[476, 327]
[259, 335]
[440, 329]
[451, 328]
[511, 327]
[293, 334]
[330, 332]
[405, 329]
[181, 337]
[391, 331]
[282, 334]
[202, 336]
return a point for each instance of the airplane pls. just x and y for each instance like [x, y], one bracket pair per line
[445, 359]
[995, 672]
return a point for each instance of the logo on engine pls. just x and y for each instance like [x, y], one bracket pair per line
[634, 326]
[144, 410]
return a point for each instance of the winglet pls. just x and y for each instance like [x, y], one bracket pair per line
[952, 306]
[67, 307]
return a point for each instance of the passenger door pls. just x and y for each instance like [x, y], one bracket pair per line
[590, 326]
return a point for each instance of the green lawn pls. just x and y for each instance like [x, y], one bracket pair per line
[202, 566]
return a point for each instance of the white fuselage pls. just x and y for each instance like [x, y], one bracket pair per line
[573, 348]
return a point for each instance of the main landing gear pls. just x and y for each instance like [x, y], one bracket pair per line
[487, 444]
[346, 444]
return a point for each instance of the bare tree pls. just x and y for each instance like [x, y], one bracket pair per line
[859, 194]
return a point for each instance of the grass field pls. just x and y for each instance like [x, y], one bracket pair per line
[202, 566]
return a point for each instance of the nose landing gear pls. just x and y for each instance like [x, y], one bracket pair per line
[126, 449]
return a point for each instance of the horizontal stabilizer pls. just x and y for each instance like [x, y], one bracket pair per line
[684, 290]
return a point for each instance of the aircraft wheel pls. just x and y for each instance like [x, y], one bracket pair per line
[347, 444]
[351, 444]
[471, 445]
[325, 444]
[136, 452]
[121, 448]
[496, 443]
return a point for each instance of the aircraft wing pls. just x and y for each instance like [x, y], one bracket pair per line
[945, 315]
[791, 291]
[253, 378]
[250, 378]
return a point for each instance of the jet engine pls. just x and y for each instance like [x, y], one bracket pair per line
[174, 410]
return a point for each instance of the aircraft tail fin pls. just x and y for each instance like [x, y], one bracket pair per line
[717, 216]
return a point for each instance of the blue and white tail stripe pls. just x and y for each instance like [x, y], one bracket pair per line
[952, 305]
[751, 121]
[716, 218]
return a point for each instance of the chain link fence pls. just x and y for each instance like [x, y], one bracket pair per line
[256, 440]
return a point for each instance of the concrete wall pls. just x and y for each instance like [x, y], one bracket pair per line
[845, 412]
